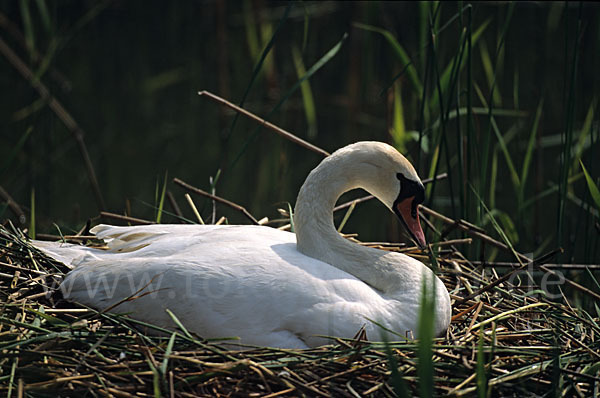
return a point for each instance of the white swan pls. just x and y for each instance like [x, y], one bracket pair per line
[269, 287]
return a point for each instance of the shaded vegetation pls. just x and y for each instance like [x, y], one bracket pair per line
[99, 111]
[502, 97]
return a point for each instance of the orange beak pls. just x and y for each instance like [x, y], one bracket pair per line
[411, 223]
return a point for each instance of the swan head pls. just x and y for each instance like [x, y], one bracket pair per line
[385, 173]
[406, 206]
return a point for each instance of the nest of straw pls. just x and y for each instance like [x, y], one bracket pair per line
[502, 339]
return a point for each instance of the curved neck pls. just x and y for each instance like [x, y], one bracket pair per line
[316, 234]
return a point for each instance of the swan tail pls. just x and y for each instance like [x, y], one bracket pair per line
[66, 253]
[118, 240]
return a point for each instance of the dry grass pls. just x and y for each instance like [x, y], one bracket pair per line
[526, 345]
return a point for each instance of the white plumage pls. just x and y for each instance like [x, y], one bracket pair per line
[258, 283]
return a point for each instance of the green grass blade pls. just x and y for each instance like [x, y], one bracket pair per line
[493, 178]
[514, 176]
[481, 377]
[165, 363]
[484, 147]
[396, 380]
[434, 164]
[387, 330]
[426, 320]
[11, 381]
[557, 379]
[470, 152]
[486, 61]
[398, 132]
[529, 152]
[346, 216]
[496, 225]
[506, 223]
[291, 212]
[32, 215]
[27, 26]
[265, 53]
[592, 187]
[400, 53]
[313, 69]
[251, 31]
[424, 10]
[307, 96]
[516, 88]
[447, 73]
[584, 135]
[316, 66]
[44, 15]
[569, 106]
[155, 379]
[425, 357]
[593, 278]
[306, 26]
[179, 324]
[259, 64]
[161, 202]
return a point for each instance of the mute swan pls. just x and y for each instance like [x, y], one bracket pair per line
[269, 287]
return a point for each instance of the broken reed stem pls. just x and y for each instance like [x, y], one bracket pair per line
[65, 237]
[60, 111]
[191, 203]
[174, 205]
[265, 123]
[217, 199]
[120, 217]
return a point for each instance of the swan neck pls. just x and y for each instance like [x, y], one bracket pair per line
[316, 234]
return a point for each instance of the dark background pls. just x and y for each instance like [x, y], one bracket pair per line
[131, 71]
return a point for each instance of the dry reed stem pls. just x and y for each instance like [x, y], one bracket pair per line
[287, 135]
[217, 199]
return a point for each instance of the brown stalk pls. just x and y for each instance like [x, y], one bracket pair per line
[66, 237]
[174, 205]
[265, 123]
[217, 199]
[120, 217]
